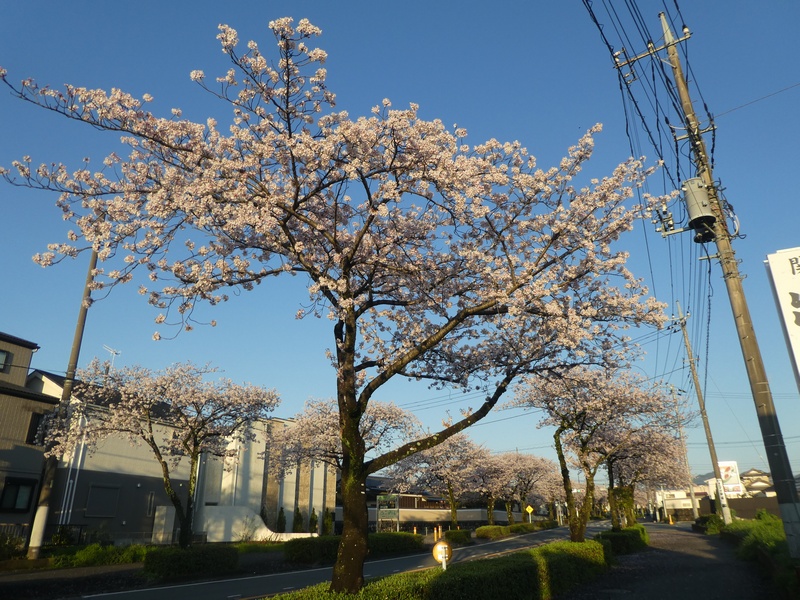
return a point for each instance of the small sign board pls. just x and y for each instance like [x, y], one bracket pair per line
[442, 552]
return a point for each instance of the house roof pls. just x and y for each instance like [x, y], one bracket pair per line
[18, 391]
[54, 377]
[754, 473]
[12, 339]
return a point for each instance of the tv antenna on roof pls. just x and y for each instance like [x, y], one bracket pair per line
[114, 353]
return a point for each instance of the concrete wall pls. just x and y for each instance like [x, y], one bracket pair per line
[238, 523]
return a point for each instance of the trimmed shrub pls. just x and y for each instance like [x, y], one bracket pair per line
[461, 537]
[172, 562]
[323, 549]
[313, 522]
[710, 524]
[327, 522]
[99, 554]
[538, 574]
[312, 550]
[395, 543]
[492, 532]
[297, 522]
[258, 547]
[626, 541]
[11, 546]
[280, 524]
[510, 576]
[568, 565]
[403, 586]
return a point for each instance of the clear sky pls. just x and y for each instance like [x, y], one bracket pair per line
[537, 72]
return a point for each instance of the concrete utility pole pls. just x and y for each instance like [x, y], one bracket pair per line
[679, 427]
[720, 500]
[762, 396]
[49, 471]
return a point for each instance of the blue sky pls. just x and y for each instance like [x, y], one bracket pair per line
[537, 72]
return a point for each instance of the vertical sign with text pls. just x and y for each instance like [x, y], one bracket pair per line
[784, 271]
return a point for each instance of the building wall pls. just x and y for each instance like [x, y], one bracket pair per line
[112, 491]
[19, 353]
[235, 493]
[21, 454]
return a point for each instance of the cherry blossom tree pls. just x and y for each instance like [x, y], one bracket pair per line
[591, 410]
[488, 478]
[523, 475]
[446, 469]
[174, 412]
[456, 264]
[648, 457]
[313, 434]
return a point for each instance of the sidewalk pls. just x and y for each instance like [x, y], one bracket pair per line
[680, 564]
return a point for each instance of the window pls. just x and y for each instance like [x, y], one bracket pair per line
[33, 438]
[102, 501]
[4, 354]
[151, 503]
[17, 494]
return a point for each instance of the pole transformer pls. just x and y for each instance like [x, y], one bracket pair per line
[778, 460]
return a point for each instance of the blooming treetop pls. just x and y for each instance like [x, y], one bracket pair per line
[401, 227]
[314, 434]
[175, 411]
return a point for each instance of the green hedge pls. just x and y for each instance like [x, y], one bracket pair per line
[323, 549]
[626, 541]
[494, 532]
[171, 562]
[312, 550]
[95, 555]
[763, 540]
[461, 537]
[538, 574]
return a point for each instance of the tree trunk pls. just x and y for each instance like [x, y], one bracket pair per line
[629, 507]
[348, 572]
[588, 503]
[184, 517]
[612, 499]
[576, 531]
[490, 510]
[510, 512]
[453, 506]
[187, 519]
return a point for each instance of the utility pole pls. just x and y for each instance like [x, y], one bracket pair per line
[720, 500]
[49, 471]
[679, 427]
[762, 396]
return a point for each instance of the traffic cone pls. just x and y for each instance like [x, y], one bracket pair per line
[670, 520]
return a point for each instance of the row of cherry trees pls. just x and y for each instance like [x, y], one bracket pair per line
[456, 469]
[458, 264]
[607, 418]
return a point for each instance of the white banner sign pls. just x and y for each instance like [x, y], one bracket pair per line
[784, 270]
[729, 470]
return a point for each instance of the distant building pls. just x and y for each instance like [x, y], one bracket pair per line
[116, 492]
[757, 483]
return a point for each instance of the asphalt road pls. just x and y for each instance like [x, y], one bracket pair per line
[259, 586]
